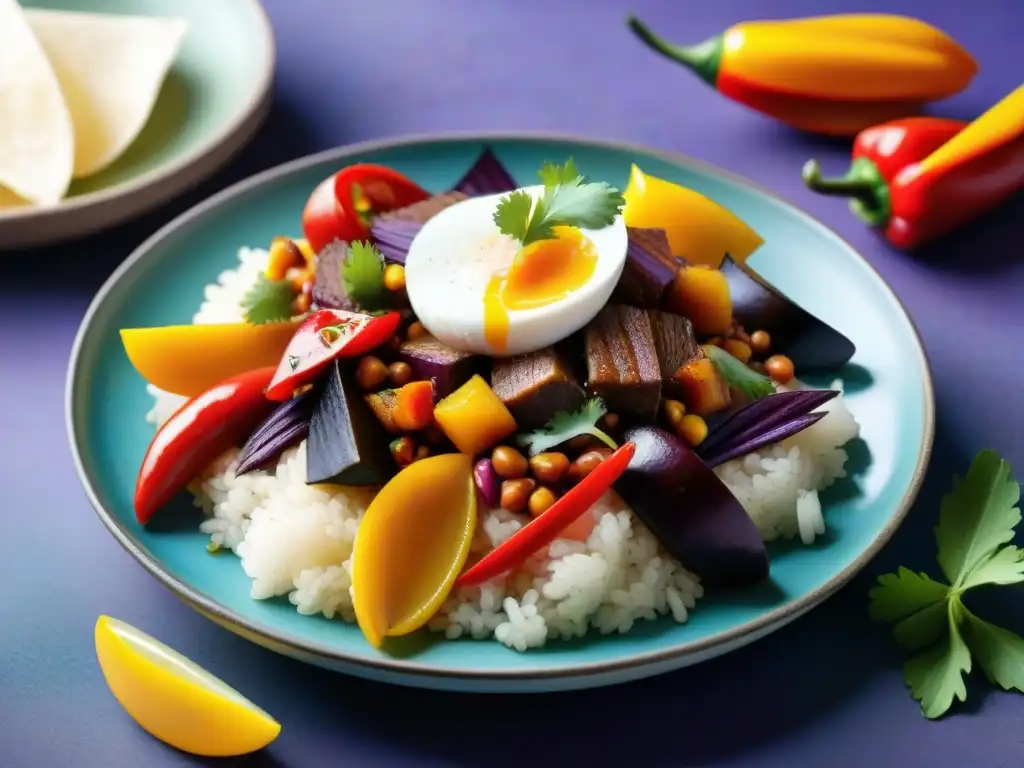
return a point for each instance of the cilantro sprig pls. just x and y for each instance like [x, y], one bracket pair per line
[362, 273]
[568, 200]
[739, 375]
[976, 524]
[566, 425]
[268, 301]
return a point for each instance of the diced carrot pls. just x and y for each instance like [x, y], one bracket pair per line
[414, 408]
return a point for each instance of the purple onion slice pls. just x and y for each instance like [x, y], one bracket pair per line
[764, 414]
[487, 177]
[287, 425]
[393, 237]
[742, 447]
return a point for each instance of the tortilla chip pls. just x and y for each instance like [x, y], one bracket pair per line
[110, 68]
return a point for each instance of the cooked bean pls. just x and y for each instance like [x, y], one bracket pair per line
[541, 500]
[416, 330]
[371, 373]
[509, 463]
[780, 368]
[674, 411]
[549, 467]
[760, 342]
[400, 373]
[394, 277]
[693, 429]
[515, 494]
[738, 349]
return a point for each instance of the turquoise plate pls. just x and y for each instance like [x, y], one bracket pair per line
[889, 390]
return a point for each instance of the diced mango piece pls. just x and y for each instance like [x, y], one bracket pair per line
[702, 294]
[704, 389]
[473, 417]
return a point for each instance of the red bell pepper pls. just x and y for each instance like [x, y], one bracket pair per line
[324, 336]
[199, 432]
[926, 187]
[547, 526]
[342, 206]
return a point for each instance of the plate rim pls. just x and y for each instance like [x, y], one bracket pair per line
[270, 636]
[209, 154]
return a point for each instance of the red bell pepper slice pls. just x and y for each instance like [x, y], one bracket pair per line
[323, 337]
[365, 189]
[323, 220]
[199, 432]
[342, 205]
[545, 528]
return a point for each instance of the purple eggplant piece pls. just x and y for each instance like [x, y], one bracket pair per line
[733, 450]
[757, 305]
[393, 237]
[286, 426]
[691, 511]
[765, 413]
[447, 368]
[487, 482]
[650, 269]
[487, 177]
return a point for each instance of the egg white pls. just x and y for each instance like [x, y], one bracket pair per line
[452, 259]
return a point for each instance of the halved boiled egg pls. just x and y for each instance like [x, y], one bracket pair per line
[475, 289]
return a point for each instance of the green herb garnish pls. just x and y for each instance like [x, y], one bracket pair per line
[976, 523]
[362, 272]
[268, 301]
[744, 378]
[566, 425]
[568, 201]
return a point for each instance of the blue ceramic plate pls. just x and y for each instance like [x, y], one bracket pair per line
[889, 391]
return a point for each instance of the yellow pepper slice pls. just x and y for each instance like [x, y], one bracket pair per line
[1001, 124]
[412, 544]
[698, 229]
[189, 359]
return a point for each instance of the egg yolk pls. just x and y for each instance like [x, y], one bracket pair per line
[541, 273]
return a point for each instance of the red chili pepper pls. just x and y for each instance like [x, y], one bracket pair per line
[343, 204]
[323, 337]
[545, 528]
[927, 186]
[199, 432]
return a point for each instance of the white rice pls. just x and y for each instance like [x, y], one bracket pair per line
[296, 540]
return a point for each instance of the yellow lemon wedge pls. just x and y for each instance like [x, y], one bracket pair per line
[176, 700]
[412, 544]
[698, 229]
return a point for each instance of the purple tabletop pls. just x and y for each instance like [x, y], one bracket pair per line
[826, 690]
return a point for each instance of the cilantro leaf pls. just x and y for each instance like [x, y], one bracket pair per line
[902, 594]
[512, 216]
[999, 652]
[362, 272]
[566, 425]
[977, 516]
[921, 629]
[913, 600]
[977, 519]
[1006, 566]
[739, 375]
[936, 677]
[552, 175]
[268, 301]
[568, 201]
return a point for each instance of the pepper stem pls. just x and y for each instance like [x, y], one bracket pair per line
[703, 58]
[863, 184]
